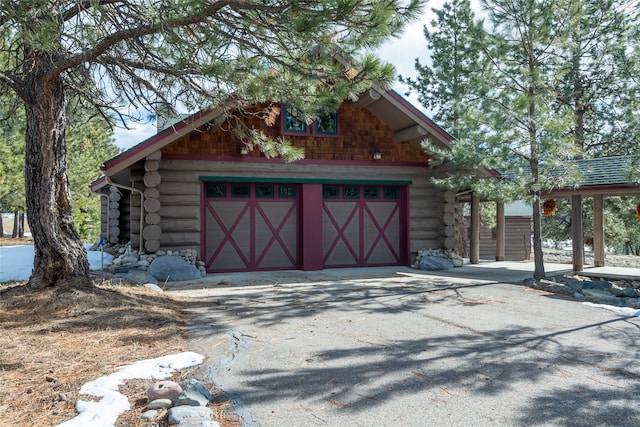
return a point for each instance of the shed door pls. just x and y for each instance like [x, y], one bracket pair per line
[362, 225]
[251, 227]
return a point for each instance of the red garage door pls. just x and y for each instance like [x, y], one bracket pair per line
[250, 226]
[362, 225]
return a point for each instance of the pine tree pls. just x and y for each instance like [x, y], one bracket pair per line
[519, 128]
[448, 84]
[600, 83]
[89, 142]
[158, 54]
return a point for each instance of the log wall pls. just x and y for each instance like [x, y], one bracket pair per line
[180, 195]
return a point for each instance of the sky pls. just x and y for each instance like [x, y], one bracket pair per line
[401, 52]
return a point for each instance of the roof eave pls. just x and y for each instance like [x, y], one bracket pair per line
[162, 139]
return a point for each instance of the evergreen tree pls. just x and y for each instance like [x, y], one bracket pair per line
[156, 54]
[599, 84]
[449, 83]
[12, 194]
[519, 127]
[89, 143]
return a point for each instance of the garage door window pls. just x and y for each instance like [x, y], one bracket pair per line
[371, 192]
[216, 191]
[264, 191]
[351, 192]
[240, 191]
[330, 191]
[391, 193]
[287, 191]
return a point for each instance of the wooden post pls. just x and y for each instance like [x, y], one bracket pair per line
[312, 250]
[598, 231]
[500, 237]
[474, 251]
[577, 233]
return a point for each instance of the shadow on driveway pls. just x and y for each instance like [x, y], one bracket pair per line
[406, 348]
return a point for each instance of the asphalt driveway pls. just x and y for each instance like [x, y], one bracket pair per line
[401, 347]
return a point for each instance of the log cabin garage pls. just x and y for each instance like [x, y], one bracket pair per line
[361, 197]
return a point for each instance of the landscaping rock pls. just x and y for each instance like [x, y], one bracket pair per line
[190, 398]
[179, 414]
[198, 422]
[437, 259]
[193, 384]
[435, 263]
[602, 297]
[160, 403]
[149, 415]
[554, 287]
[153, 287]
[164, 390]
[173, 268]
[622, 293]
[602, 285]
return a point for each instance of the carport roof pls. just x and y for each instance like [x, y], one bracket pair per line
[607, 176]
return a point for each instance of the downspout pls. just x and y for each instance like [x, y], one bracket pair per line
[132, 189]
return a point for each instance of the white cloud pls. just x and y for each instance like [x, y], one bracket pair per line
[137, 132]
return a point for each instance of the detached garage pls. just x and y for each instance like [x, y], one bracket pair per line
[361, 197]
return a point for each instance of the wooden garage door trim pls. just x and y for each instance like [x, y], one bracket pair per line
[250, 232]
[364, 230]
[303, 180]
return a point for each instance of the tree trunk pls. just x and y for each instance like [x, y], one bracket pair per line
[14, 232]
[21, 225]
[538, 255]
[60, 257]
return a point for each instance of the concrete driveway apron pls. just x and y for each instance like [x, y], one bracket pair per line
[401, 347]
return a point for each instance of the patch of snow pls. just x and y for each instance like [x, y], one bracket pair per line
[16, 262]
[105, 412]
[623, 311]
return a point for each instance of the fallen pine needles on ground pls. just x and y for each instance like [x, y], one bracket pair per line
[54, 340]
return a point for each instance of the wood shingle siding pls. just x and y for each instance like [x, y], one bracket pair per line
[361, 133]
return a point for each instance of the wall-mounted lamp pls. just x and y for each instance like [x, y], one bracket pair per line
[244, 150]
[376, 155]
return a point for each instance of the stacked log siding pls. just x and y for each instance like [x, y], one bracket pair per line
[180, 194]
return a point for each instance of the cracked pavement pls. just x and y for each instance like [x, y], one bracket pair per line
[399, 347]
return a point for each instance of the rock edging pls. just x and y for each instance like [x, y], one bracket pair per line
[619, 293]
[186, 403]
[140, 268]
[437, 259]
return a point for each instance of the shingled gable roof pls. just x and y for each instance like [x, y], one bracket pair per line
[603, 175]
[408, 123]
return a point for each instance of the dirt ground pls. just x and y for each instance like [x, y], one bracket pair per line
[55, 340]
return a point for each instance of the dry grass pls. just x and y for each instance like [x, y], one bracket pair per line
[55, 340]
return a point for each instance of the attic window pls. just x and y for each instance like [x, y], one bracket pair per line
[293, 123]
[326, 123]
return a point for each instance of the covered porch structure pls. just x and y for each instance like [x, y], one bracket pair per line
[601, 177]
